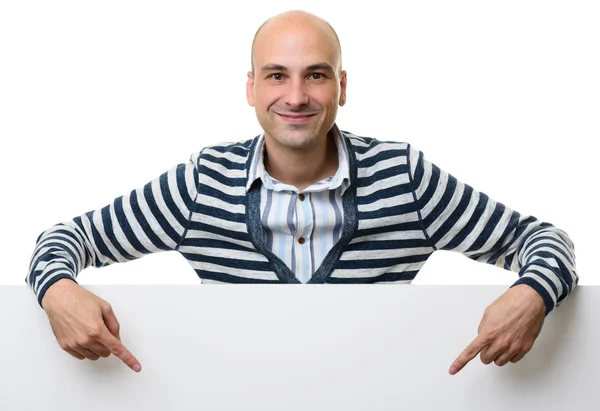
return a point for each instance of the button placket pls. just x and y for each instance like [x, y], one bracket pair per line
[304, 220]
[301, 219]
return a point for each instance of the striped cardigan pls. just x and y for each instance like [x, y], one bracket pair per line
[399, 209]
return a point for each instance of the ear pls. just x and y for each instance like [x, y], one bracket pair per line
[343, 82]
[250, 89]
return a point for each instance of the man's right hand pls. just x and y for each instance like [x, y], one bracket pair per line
[84, 324]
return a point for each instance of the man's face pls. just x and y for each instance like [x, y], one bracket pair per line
[297, 84]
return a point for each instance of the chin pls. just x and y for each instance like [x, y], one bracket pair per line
[295, 140]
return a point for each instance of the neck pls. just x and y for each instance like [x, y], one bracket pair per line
[301, 167]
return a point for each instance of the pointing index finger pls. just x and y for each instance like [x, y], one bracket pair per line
[117, 348]
[467, 355]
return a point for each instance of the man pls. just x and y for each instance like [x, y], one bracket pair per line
[304, 202]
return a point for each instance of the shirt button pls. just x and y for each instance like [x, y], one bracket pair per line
[301, 197]
[301, 240]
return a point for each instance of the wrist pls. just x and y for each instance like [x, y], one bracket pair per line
[543, 292]
[530, 293]
[57, 289]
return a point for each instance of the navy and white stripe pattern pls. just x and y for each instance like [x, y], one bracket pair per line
[300, 227]
[398, 209]
[150, 219]
[458, 218]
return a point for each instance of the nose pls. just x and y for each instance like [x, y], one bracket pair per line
[296, 96]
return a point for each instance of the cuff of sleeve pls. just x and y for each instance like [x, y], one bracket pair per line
[541, 290]
[50, 282]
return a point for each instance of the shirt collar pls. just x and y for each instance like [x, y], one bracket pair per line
[341, 178]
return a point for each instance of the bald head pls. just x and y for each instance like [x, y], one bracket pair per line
[296, 20]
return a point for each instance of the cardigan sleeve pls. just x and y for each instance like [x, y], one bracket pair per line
[456, 217]
[149, 219]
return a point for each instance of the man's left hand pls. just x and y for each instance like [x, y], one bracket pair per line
[507, 330]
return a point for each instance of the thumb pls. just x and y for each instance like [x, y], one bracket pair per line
[111, 320]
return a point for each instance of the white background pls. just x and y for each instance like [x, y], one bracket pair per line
[97, 98]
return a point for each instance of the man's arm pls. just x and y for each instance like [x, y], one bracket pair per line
[456, 217]
[151, 218]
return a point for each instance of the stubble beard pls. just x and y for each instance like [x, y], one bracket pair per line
[295, 136]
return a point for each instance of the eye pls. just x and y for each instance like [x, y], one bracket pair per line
[317, 76]
[276, 76]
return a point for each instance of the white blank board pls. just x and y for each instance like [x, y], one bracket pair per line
[302, 347]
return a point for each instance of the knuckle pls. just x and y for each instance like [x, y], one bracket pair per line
[94, 332]
[85, 341]
[106, 306]
[485, 338]
[117, 349]
[492, 335]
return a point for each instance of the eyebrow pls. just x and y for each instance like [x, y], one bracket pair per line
[312, 67]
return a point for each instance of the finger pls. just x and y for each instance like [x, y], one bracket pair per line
[111, 320]
[517, 357]
[86, 353]
[492, 352]
[484, 356]
[100, 350]
[118, 349]
[504, 358]
[497, 347]
[467, 355]
[527, 346]
[74, 354]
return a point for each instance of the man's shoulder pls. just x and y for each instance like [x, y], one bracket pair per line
[236, 151]
[365, 144]
[376, 154]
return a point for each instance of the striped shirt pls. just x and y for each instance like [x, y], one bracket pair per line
[398, 209]
[300, 227]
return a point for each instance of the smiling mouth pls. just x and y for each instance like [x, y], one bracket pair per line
[296, 118]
